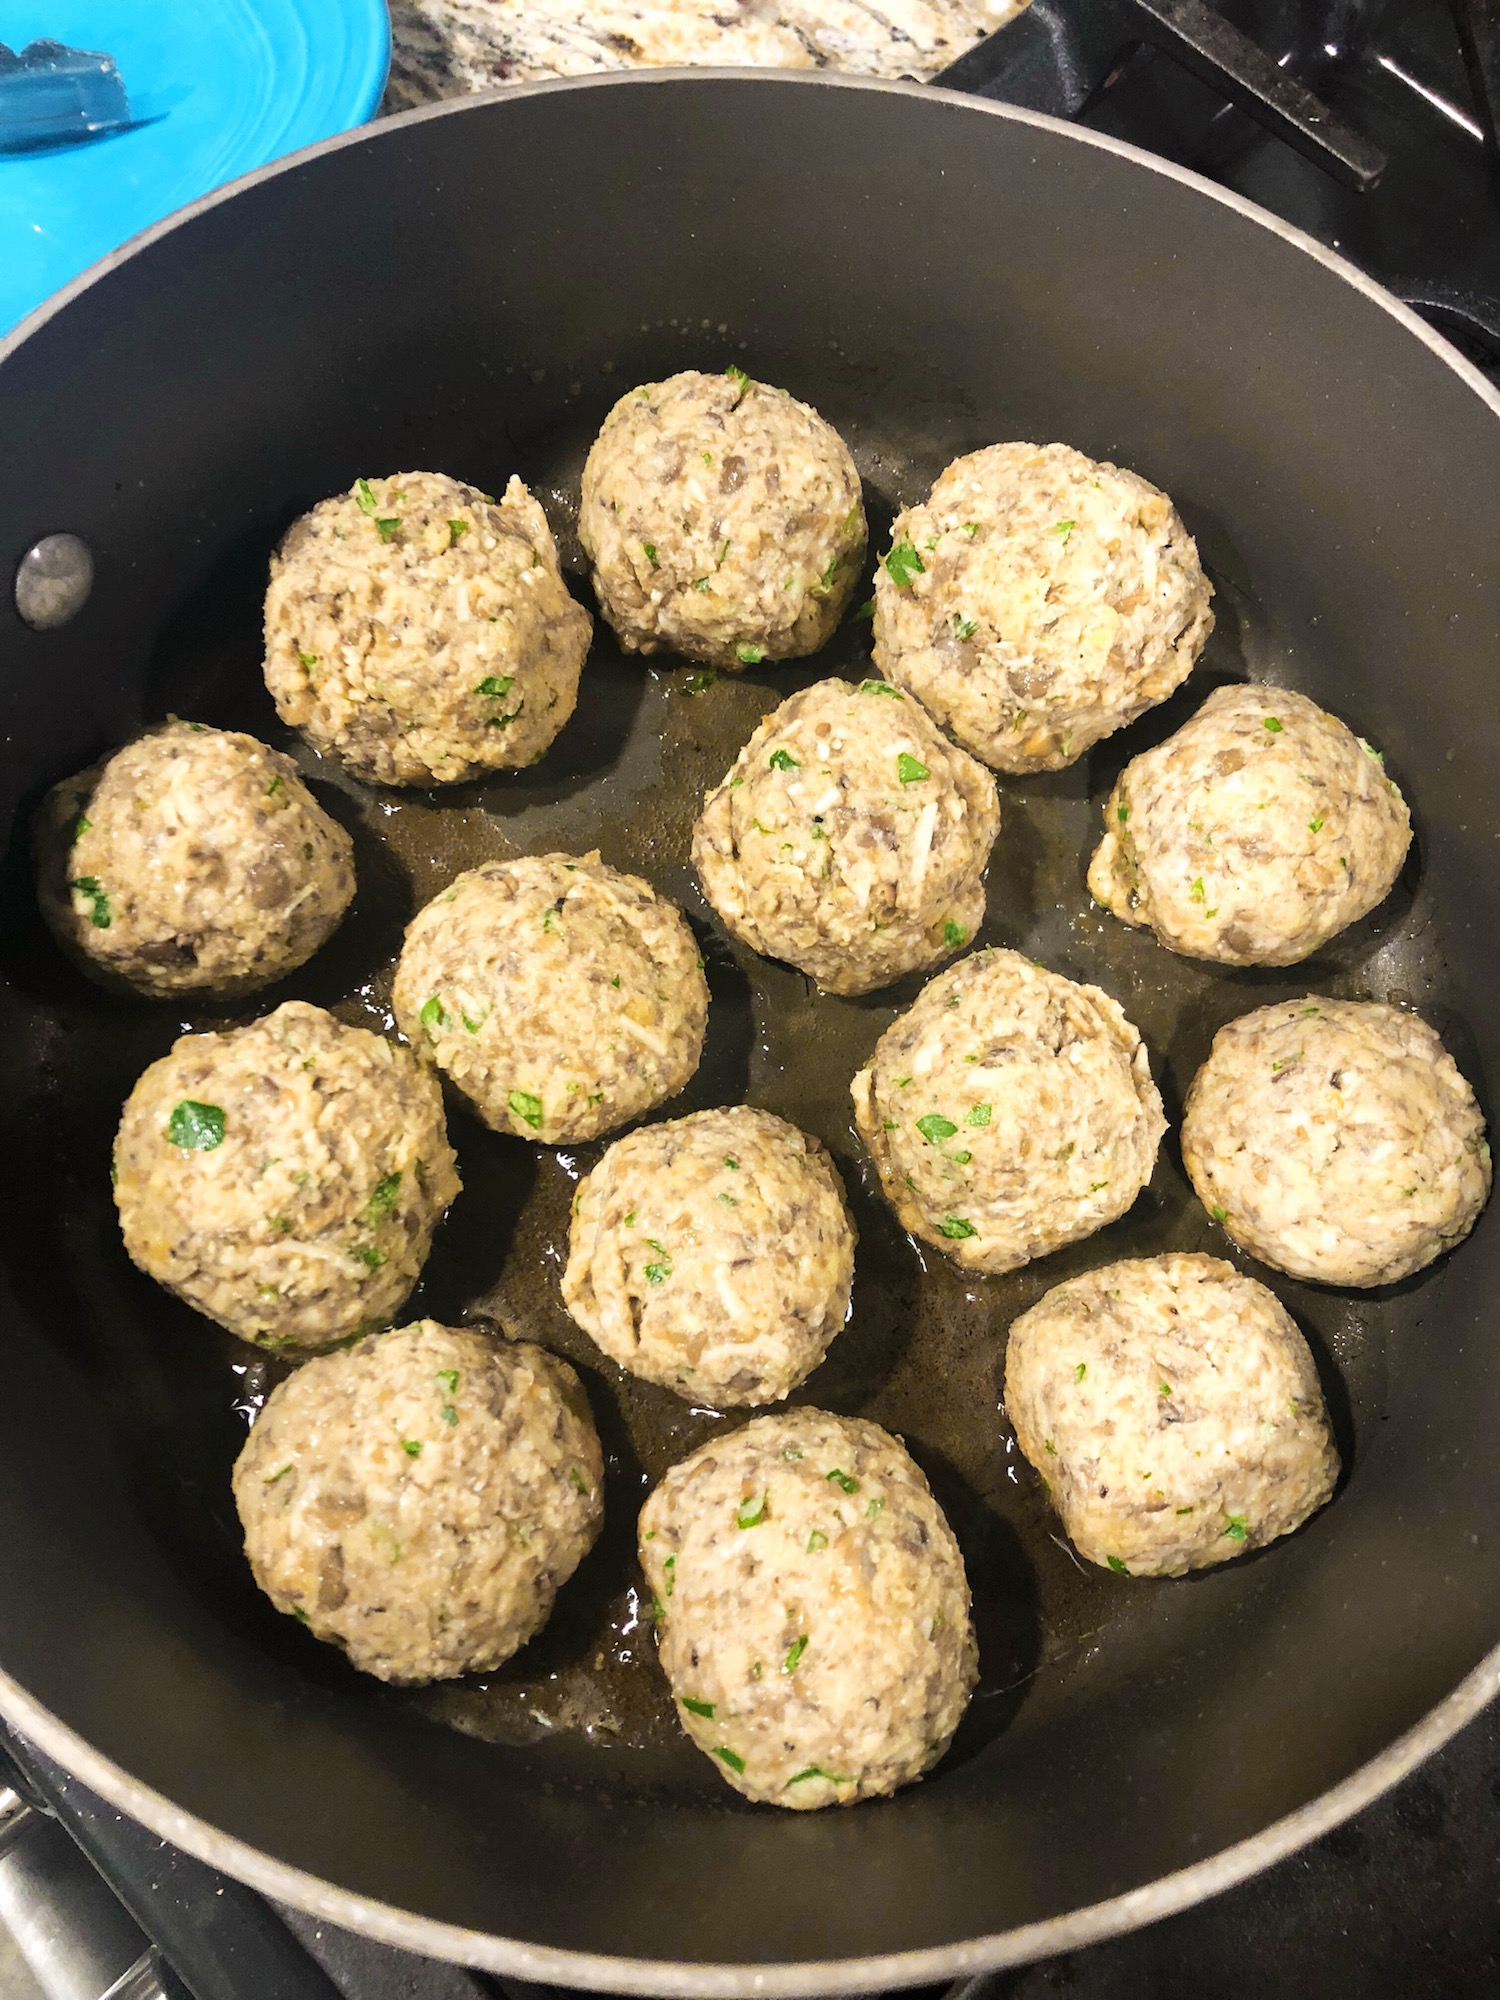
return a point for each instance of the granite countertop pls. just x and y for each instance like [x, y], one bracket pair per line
[445, 48]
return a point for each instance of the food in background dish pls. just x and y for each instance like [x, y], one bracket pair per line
[442, 48]
[813, 1612]
[562, 998]
[285, 1178]
[713, 1254]
[1008, 1111]
[849, 838]
[1173, 1410]
[723, 520]
[1337, 1140]
[419, 1499]
[193, 860]
[1038, 600]
[421, 632]
[1254, 835]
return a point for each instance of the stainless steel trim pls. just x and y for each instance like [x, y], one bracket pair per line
[597, 1972]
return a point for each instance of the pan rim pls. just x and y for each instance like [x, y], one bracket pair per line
[600, 1972]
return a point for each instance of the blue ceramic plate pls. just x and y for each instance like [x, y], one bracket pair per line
[228, 85]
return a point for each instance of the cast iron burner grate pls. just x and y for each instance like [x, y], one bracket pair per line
[1371, 125]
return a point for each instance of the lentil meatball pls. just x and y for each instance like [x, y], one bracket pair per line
[562, 998]
[814, 1610]
[1336, 1140]
[713, 1254]
[285, 1178]
[194, 860]
[421, 632]
[1008, 1111]
[1038, 600]
[723, 520]
[849, 838]
[1254, 835]
[419, 1499]
[1173, 1410]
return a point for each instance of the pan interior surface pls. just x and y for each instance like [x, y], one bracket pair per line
[469, 292]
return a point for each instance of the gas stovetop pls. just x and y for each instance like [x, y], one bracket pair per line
[1369, 124]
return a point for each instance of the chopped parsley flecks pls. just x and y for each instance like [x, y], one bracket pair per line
[383, 1199]
[742, 382]
[866, 610]
[703, 680]
[1117, 1566]
[749, 653]
[815, 1541]
[880, 687]
[978, 1115]
[578, 1483]
[826, 579]
[386, 528]
[911, 770]
[964, 628]
[1063, 529]
[368, 1255]
[817, 1771]
[1122, 812]
[955, 1228]
[195, 1127]
[843, 1480]
[669, 1570]
[1049, 1447]
[731, 1757]
[456, 530]
[496, 685]
[1236, 1529]
[412, 1447]
[1315, 826]
[449, 1379]
[953, 936]
[88, 885]
[752, 1512]
[650, 548]
[794, 1654]
[703, 1708]
[970, 528]
[1219, 1214]
[782, 760]
[903, 563]
[1273, 725]
[1080, 1371]
[935, 1127]
[526, 1107]
[365, 500]
[434, 1018]
[1197, 893]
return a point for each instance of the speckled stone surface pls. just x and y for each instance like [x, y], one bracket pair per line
[445, 48]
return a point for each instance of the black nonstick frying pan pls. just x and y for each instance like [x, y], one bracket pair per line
[468, 290]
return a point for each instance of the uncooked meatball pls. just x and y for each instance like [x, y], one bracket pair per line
[1173, 1411]
[1337, 1140]
[723, 520]
[849, 838]
[714, 1255]
[813, 1609]
[562, 998]
[194, 860]
[1254, 835]
[1008, 1111]
[1038, 600]
[285, 1178]
[419, 1499]
[421, 632]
